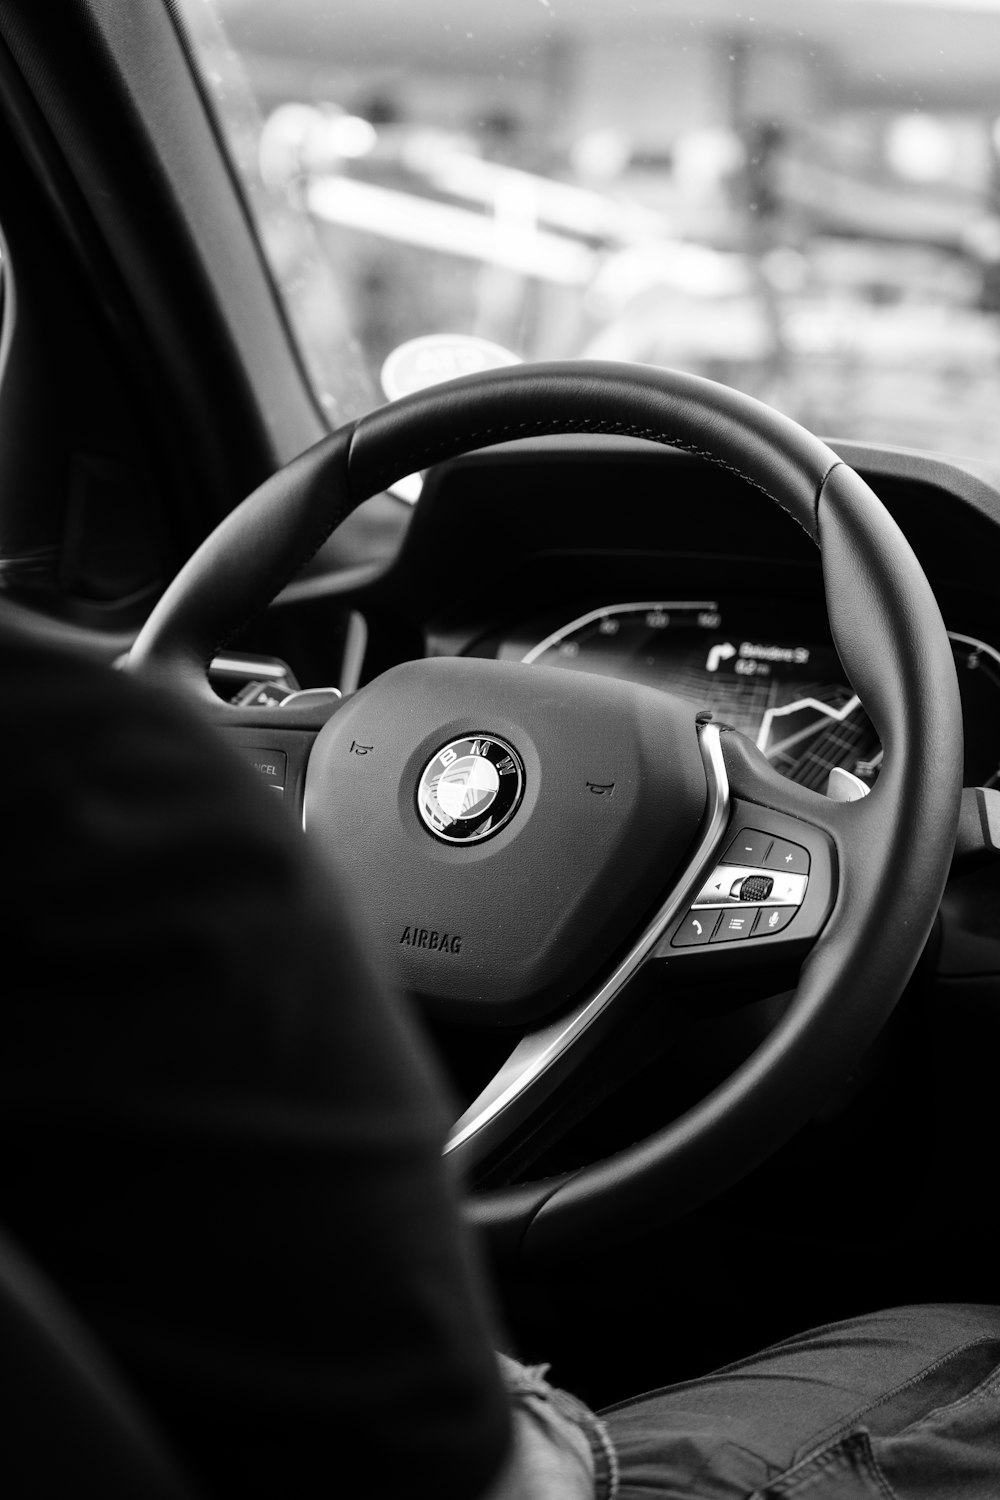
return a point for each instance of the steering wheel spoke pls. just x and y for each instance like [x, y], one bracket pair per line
[546, 1055]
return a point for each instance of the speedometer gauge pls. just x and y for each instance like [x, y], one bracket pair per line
[787, 694]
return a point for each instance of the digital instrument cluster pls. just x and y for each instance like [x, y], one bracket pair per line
[787, 693]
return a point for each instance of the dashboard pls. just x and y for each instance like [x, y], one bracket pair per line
[623, 558]
[737, 659]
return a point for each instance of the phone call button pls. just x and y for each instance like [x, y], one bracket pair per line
[696, 928]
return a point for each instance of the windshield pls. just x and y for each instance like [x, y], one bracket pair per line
[797, 197]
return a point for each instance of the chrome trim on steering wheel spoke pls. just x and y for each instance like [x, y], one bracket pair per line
[540, 1060]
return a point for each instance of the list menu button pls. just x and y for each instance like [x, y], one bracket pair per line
[735, 924]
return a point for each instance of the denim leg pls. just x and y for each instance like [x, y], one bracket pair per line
[899, 1405]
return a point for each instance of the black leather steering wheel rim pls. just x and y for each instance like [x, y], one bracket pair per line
[893, 848]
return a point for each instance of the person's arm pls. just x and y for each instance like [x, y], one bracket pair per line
[538, 1469]
[561, 1450]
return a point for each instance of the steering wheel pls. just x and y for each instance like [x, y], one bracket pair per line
[528, 841]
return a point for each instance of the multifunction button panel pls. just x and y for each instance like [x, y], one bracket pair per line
[754, 891]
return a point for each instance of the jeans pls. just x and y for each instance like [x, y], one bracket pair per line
[899, 1405]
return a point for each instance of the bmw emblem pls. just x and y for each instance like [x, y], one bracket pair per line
[470, 789]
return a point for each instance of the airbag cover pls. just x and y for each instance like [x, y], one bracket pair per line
[508, 928]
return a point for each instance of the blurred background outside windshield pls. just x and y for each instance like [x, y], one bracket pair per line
[800, 198]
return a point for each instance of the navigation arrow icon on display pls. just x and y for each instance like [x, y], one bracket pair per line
[718, 655]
